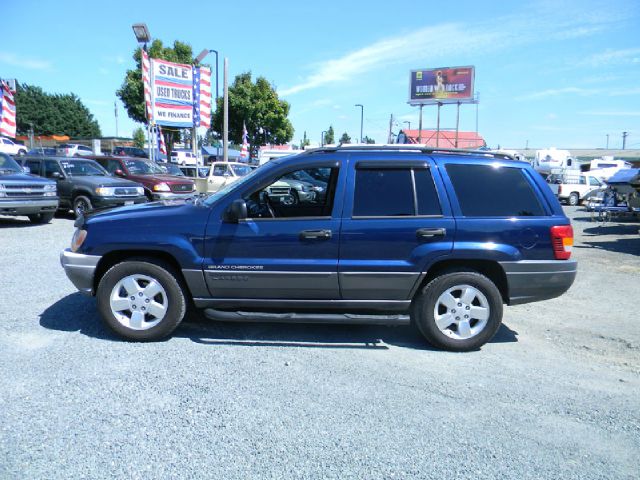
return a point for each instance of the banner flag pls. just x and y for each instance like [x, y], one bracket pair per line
[7, 111]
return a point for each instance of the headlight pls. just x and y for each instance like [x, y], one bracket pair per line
[78, 239]
[161, 187]
[303, 188]
[106, 191]
[318, 189]
[51, 187]
[140, 190]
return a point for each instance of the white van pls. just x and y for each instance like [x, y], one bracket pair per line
[182, 157]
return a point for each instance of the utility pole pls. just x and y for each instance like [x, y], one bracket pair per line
[607, 141]
[420, 125]
[115, 111]
[390, 137]
[225, 121]
[624, 139]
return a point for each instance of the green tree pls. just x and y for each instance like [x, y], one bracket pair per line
[304, 142]
[329, 135]
[53, 114]
[138, 137]
[367, 139]
[345, 138]
[256, 106]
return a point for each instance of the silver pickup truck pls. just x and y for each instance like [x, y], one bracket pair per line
[25, 194]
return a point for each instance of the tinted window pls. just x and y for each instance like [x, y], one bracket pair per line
[428, 203]
[34, 166]
[50, 167]
[485, 191]
[383, 193]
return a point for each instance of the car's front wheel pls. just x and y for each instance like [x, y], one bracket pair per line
[141, 300]
[39, 218]
[458, 311]
[574, 199]
[81, 205]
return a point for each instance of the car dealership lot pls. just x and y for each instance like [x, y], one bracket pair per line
[555, 395]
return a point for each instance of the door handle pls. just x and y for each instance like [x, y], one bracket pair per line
[315, 235]
[431, 232]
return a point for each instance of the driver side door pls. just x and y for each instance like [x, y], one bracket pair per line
[282, 251]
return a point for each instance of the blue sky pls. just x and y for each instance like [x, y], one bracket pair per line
[553, 73]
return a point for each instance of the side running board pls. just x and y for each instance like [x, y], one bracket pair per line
[348, 318]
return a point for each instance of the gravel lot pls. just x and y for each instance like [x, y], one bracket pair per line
[555, 395]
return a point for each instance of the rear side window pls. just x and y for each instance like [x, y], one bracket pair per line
[487, 191]
[389, 192]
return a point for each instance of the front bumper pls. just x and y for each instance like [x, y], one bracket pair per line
[28, 207]
[536, 280]
[110, 202]
[80, 269]
[173, 196]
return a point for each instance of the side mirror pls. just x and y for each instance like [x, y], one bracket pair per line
[56, 175]
[26, 169]
[118, 173]
[237, 211]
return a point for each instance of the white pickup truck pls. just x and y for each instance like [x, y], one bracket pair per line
[574, 188]
[11, 148]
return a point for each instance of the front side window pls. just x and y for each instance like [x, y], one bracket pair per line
[594, 182]
[493, 191]
[220, 170]
[289, 197]
[51, 167]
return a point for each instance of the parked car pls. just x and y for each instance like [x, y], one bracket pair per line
[73, 150]
[130, 152]
[157, 184]
[12, 148]
[221, 174]
[305, 187]
[83, 185]
[24, 194]
[195, 172]
[184, 158]
[575, 188]
[43, 151]
[440, 238]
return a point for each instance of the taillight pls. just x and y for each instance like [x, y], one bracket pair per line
[559, 189]
[562, 241]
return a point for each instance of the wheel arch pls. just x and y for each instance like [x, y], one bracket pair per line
[110, 259]
[489, 268]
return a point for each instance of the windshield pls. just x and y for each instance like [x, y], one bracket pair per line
[8, 164]
[241, 170]
[140, 167]
[211, 199]
[82, 168]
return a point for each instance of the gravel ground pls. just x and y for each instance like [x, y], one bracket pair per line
[555, 395]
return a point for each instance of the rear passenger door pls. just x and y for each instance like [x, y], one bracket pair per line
[395, 224]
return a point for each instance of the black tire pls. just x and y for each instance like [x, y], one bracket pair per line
[423, 310]
[574, 199]
[81, 205]
[22, 153]
[40, 218]
[161, 273]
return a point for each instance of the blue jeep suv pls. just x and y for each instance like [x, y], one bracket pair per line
[440, 238]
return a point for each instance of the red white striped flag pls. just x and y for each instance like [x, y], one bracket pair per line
[244, 152]
[161, 145]
[7, 111]
[205, 97]
[146, 80]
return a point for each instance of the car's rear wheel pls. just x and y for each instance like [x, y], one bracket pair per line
[39, 218]
[458, 311]
[81, 205]
[141, 300]
[574, 199]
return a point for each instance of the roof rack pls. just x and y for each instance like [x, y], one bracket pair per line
[413, 148]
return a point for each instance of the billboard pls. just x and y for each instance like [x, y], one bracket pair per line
[171, 93]
[441, 85]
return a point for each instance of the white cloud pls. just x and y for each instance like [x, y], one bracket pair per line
[582, 92]
[612, 57]
[612, 113]
[449, 40]
[28, 63]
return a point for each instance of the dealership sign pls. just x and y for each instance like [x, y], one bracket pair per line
[441, 85]
[176, 95]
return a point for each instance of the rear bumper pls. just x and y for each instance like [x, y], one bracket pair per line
[80, 269]
[28, 207]
[536, 280]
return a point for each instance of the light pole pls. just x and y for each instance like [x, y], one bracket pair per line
[322, 138]
[361, 117]
[143, 37]
[408, 122]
